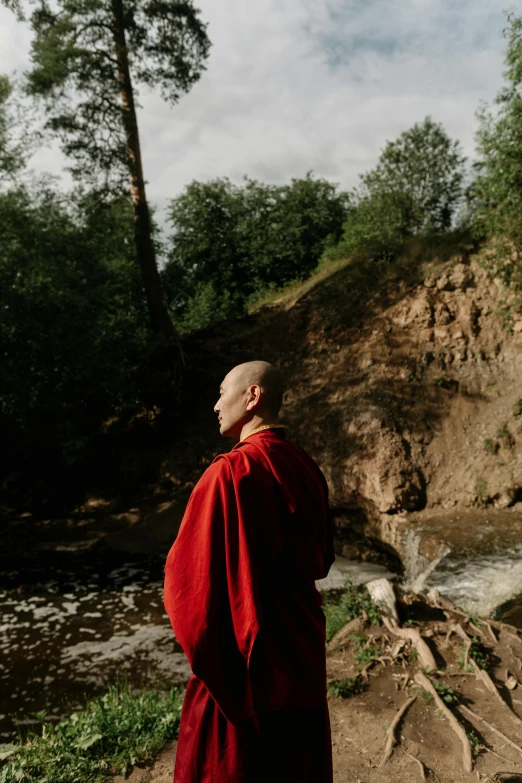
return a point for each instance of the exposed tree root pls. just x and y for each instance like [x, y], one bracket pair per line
[425, 654]
[342, 637]
[467, 759]
[419, 764]
[439, 601]
[496, 731]
[381, 590]
[390, 733]
[482, 674]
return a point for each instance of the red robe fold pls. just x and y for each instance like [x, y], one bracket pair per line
[240, 594]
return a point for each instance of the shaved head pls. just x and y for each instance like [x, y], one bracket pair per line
[251, 391]
[264, 375]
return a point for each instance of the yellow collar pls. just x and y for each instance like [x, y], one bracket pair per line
[265, 427]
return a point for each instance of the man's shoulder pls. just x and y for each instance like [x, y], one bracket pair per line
[236, 461]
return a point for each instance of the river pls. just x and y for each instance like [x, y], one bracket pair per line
[68, 630]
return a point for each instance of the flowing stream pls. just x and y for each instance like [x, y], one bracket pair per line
[68, 631]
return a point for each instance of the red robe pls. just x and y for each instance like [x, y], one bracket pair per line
[240, 594]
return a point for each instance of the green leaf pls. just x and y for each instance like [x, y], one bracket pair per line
[8, 750]
[88, 740]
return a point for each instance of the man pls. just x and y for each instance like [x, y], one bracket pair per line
[240, 594]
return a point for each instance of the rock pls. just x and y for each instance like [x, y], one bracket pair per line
[457, 279]
[461, 277]
[505, 497]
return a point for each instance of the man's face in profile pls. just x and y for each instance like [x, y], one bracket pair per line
[232, 406]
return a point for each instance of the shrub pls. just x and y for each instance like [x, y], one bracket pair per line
[353, 602]
[114, 732]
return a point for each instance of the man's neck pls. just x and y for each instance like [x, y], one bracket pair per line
[255, 424]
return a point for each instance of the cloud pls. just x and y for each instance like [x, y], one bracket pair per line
[294, 85]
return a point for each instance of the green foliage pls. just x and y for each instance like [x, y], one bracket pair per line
[480, 654]
[113, 733]
[72, 319]
[353, 602]
[446, 693]
[363, 652]
[426, 696]
[481, 491]
[13, 150]
[345, 687]
[490, 446]
[475, 742]
[414, 189]
[230, 243]
[497, 191]
[78, 67]
[373, 229]
[517, 408]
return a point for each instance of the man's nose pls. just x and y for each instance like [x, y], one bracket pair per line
[216, 407]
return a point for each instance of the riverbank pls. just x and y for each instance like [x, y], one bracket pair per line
[439, 694]
[110, 735]
[395, 722]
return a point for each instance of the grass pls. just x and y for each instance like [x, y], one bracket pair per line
[490, 446]
[113, 733]
[353, 602]
[345, 687]
[408, 265]
[297, 288]
[481, 492]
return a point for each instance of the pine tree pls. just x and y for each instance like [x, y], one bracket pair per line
[88, 57]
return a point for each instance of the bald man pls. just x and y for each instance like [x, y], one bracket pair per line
[241, 597]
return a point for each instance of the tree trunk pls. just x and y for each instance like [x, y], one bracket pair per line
[160, 319]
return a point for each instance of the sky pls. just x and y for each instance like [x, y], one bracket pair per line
[299, 85]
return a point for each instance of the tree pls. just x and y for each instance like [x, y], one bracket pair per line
[414, 188]
[17, 137]
[88, 56]
[73, 325]
[497, 191]
[423, 169]
[206, 268]
[231, 242]
[288, 236]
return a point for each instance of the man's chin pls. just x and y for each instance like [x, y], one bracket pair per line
[229, 432]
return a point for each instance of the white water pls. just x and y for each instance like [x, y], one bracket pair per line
[481, 584]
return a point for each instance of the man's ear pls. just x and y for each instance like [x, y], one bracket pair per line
[254, 395]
